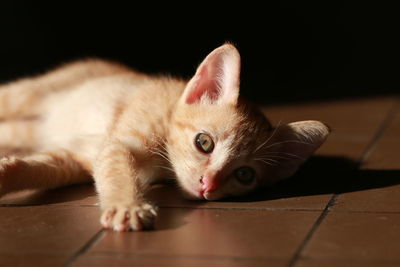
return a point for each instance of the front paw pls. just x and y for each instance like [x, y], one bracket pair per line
[131, 217]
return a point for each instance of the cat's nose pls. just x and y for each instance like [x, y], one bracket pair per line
[208, 183]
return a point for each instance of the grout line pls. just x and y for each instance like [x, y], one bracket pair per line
[91, 243]
[220, 208]
[379, 133]
[309, 235]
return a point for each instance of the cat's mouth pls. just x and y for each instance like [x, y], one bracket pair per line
[193, 194]
[199, 194]
[196, 194]
[210, 196]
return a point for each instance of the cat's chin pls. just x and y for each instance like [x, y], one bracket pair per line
[192, 194]
[211, 196]
[196, 195]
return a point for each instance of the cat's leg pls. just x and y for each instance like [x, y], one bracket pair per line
[40, 171]
[121, 187]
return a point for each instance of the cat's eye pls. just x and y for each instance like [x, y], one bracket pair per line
[245, 175]
[204, 143]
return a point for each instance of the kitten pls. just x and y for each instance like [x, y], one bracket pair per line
[128, 130]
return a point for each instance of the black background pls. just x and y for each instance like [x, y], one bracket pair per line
[291, 50]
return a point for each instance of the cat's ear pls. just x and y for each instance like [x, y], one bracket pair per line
[217, 78]
[294, 143]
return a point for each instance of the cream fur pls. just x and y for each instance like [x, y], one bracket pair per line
[127, 130]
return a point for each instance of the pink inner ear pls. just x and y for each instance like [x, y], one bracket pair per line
[205, 85]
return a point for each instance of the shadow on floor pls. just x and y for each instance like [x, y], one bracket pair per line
[327, 175]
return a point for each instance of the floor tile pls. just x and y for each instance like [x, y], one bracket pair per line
[216, 233]
[379, 176]
[345, 146]
[385, 154]
[264, 229]
[46, 229]
[347, 116]
[117, 260]
[381, 199]
[29, 260]
[351, 129]
[356, 237]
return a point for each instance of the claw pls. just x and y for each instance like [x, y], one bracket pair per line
[125, 218]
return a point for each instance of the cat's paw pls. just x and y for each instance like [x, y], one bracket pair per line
[129, 217]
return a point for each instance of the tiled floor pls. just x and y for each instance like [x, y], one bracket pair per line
[341, 209]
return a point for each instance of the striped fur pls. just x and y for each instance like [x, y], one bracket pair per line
[127, 130]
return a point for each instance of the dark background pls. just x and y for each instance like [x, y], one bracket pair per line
[291, 51]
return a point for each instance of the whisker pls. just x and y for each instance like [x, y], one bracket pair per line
[269, 138]
[267, 162]
[289, 141]
[269, 159]
[284, 153]
[161, 155]
[162, 143]
[165, 167]
[274, 156]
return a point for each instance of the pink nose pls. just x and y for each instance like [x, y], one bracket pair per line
[208, 183]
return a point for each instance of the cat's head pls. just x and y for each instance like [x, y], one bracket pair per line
[220, 146]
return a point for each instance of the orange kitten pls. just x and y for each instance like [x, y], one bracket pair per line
[128, 130]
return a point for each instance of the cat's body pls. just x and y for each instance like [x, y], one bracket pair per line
[128, 130]
[80, 117]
